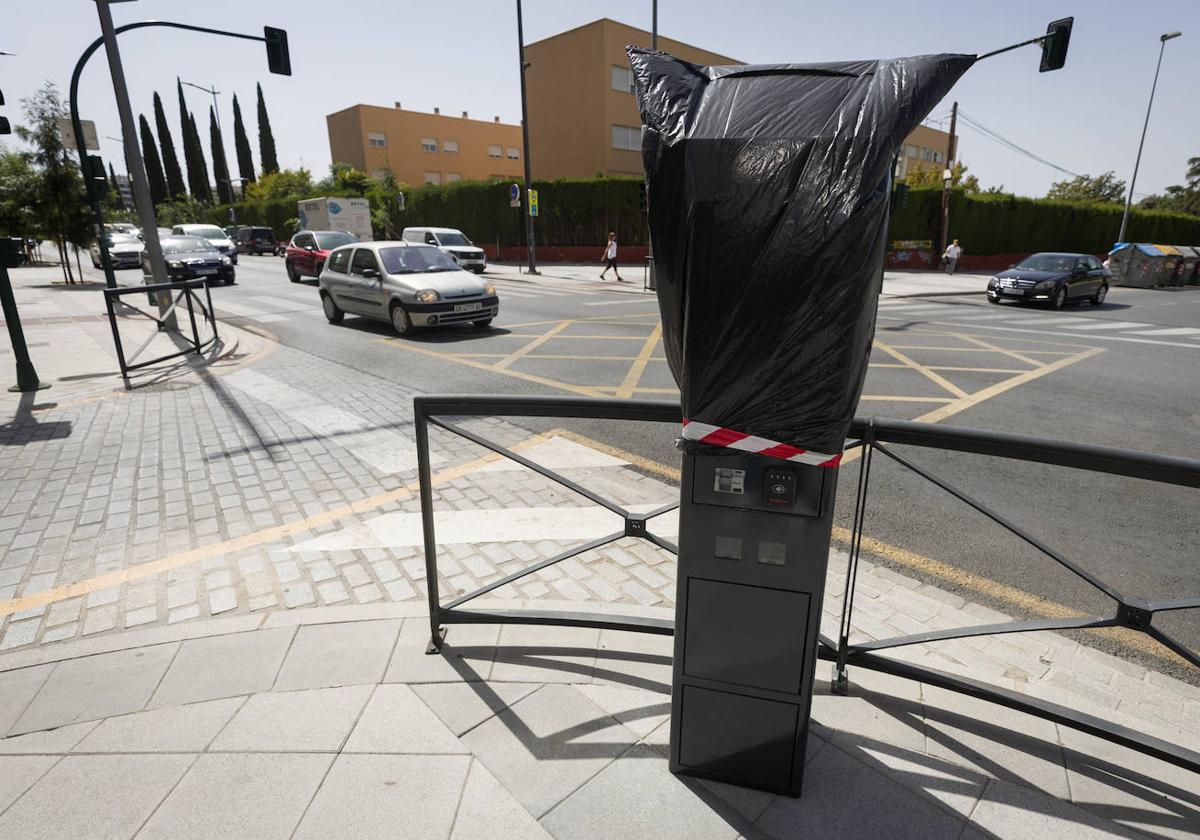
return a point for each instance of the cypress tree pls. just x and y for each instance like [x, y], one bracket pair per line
[202, 189]
[242, 144]
[266, 140]
[154, 170]
[220, 167]
[170, 163]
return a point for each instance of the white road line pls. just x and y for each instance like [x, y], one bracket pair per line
[1110, 325]
[1060, 334]
[384, 449]
[621, 302]
[1168, 331]
[1045, 320]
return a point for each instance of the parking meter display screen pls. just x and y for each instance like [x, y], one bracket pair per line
[767, 192]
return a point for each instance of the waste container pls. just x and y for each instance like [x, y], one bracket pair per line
[767, 197]
[1185, 269]
[1141, 265]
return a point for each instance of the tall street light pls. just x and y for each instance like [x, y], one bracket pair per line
[1132, 181]
[530, 247]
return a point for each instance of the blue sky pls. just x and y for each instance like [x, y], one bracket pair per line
[462, 56]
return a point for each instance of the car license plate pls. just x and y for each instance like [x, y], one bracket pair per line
[206, 271]
[467, 307]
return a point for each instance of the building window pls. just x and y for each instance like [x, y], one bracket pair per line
[626, 137]
[433, 177]
[376, 139]
[911, 151]
[622, 79]
[429, 144]
[453, 177]
[450, 147]
[937, 157]
[514, 153]
[495, 151]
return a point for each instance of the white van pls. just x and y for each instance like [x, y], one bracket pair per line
[452, 242]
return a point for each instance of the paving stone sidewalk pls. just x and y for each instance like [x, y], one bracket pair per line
[286, 487]
[333, 722]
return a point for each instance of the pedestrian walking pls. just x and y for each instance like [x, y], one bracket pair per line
[953, 252]
[610, 258]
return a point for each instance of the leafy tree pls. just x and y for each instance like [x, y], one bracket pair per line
[931, 176]
[220, 167]
[1182, 198]
[344, 179]
[170, 163]
[59, 202]
[287, 183]
[266, 140]
[1106, 188]
[242, 145]
[19, 190]
[183, 211]
[154, 169]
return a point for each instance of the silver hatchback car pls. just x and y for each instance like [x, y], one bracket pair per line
[406, 284]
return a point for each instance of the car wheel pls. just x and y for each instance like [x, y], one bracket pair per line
[291, 273]
[993, 300]
[401, 323]
[482, 324]
[1060, 298]
[1100, 295]
[333, 313]
[230, 280]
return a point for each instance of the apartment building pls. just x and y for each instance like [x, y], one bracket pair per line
[424, 148]
[924, 148]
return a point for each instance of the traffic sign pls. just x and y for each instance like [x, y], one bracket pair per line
[533, 203]
[514, 192]
[91, 141]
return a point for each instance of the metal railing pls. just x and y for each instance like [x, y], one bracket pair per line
[871, 436]
[179, 291]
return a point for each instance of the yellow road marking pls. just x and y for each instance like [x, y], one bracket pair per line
[533, 345]
[978, 350]
[1012, 354]
[886, 398]
[277, 532]
[987, 393]
[634, 376]
[529, 377]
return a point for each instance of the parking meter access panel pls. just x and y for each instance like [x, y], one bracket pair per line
[753, 552]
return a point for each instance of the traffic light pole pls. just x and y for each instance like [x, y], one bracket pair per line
[531, 249]
[27, 378]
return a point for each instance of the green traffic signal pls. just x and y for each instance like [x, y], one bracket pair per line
[1054, 47]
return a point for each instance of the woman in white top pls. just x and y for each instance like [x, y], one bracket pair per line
[610, 258]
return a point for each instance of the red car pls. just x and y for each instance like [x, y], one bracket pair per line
[308, 250]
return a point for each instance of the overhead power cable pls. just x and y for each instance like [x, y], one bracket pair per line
[982, 129]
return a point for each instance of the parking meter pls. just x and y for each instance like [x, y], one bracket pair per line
[767, 190]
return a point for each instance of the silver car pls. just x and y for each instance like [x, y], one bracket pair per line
[124, 249]
[406, 284]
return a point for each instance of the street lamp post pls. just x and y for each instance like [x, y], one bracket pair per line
[531, 251]
[1162, 39]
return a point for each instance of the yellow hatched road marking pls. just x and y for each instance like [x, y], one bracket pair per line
[921, 369]
[634, 376]
[533, 345]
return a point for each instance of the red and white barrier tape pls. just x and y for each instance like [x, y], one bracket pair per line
[733, 439]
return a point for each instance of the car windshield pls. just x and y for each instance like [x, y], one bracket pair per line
[121, 239]
[184, 244]
[411, 260]
[208, 232]
[1047, 262]
[329, 241]
[263, 233]
[453, 239]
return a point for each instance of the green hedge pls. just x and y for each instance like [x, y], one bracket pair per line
[1000, 224]
[582, 212]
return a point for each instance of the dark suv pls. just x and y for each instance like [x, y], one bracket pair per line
[256, 240]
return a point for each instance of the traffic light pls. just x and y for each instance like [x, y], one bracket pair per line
[1054, 47]
[279, 60]
[5, 128]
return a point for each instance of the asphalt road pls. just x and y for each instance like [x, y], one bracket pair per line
[1122, 374]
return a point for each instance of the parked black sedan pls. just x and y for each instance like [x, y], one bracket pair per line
[192, 258]
[1053, 279]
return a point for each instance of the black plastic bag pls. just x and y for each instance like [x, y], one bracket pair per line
[767, 188]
